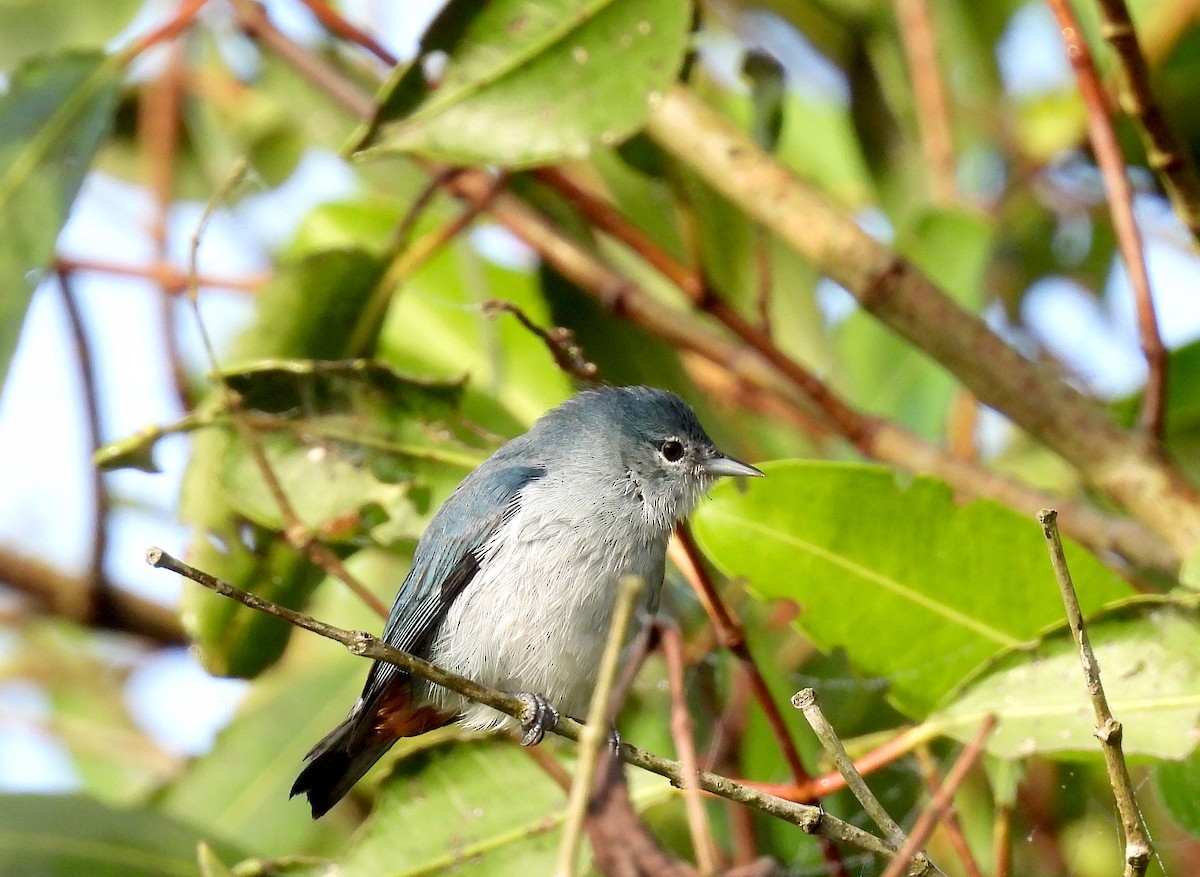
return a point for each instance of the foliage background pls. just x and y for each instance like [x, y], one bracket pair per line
[904, 603]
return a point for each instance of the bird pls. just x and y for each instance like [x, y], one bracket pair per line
[513, 583]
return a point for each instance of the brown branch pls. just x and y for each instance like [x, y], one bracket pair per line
[685, 749]
[160, 114]
[811, 820]
[950, 822]
[1119, 192]
[333, 21]
[56, 593]
[559, 341]
[1166, 154]
[918, 35]
[1121, 464]
[165, 275]
[1138, 851]
[686, 555]
[100, 596]
[172, 28]
[941, 801]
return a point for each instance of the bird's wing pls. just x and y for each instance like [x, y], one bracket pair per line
[447, 559]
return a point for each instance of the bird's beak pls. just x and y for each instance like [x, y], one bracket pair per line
[720, 464]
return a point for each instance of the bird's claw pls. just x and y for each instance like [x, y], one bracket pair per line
[614, 741]
[539, 717]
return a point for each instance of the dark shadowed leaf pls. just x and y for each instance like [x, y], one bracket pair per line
[69, 835]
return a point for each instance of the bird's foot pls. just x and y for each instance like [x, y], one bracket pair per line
[538, 718]
[614, 741]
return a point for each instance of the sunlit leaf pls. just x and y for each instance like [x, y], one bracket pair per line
[1150, 668]
[912, 585]
[530, 83]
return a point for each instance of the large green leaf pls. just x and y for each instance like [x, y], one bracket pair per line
[531, 83]
[68, 835]
[481, 808]
[52, 120]
[912, 585]
[1150, 668]
[238, 792]
[1178, 784]
[34, 27]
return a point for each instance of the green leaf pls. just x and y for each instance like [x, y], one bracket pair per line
[33, 27]
[912, 585]
[1150, 668]
[531, 83]
[466, 809]
[69, 835]
[52, 119]
[238, 792]
[1178, 784]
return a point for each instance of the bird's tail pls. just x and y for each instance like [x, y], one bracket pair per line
[336, 764]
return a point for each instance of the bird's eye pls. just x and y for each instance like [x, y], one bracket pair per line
[671, 450]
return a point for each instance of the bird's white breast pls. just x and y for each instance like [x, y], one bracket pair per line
[536, 615]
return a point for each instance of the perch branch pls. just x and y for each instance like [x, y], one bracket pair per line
[805, 700]
[1138, 851]
[1119, 193]
[810, 819]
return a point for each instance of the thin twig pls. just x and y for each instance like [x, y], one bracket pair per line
[181, 21]
[919, 38]
[805, 700]
[159, 123]
[337, 25]
[99, 589]
[593, 734]
[941, 801]
[1138, 850]
[295, 531]
[950, 822]
[165, 275]
[1119, 192]
[685, 748]
[811, 820]
[1166, 154]
[1002, 839]
[567, 354]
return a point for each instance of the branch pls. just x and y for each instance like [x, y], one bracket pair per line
[1119, 463]
[941, 802]
[1138, 851]
[1119, 193]
[56, 593]
[919, 38]
[811, 820]
[1166, 154]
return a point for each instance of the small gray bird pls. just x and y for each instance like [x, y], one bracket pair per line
[514, 581]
